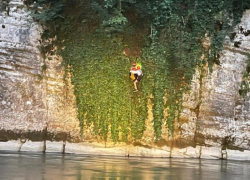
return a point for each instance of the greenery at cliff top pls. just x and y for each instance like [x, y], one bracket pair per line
[99, 40]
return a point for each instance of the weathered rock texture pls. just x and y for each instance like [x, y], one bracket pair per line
[33, 93]
[215, 113]
[37, 105]
[224, 115]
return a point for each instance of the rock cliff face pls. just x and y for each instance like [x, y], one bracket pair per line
[33, 93]
[37, 105]
[216, 114]
[221, 113]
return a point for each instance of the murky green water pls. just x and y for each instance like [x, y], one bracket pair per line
[30, 166]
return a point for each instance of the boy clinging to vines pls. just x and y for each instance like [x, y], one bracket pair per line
[135, 74]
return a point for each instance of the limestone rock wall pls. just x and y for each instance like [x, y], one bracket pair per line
[217, 115]
[32, 99]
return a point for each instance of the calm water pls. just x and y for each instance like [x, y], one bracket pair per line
[28, 166]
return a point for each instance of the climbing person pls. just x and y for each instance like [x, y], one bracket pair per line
[133, 68]
[135, 74]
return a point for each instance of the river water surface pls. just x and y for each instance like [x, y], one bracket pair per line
[30, 166]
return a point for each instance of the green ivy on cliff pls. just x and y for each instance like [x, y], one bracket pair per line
[166, 36]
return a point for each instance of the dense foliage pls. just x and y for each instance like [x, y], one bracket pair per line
[99, 39]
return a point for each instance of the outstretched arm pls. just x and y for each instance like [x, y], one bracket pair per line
[138, 72]
[132, 71]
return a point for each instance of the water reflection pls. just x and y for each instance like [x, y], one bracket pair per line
[28, 166]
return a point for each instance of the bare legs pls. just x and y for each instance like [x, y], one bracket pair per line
[135, 85]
